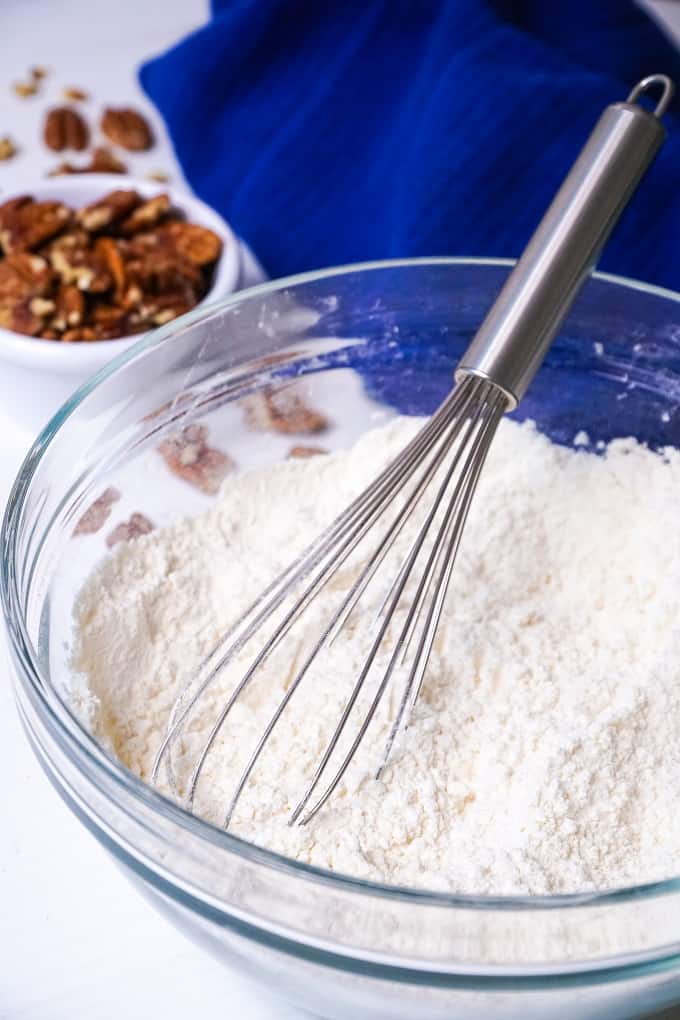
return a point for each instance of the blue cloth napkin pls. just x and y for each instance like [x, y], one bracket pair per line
[336, 132]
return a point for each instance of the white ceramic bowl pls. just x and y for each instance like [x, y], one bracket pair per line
[37, 376]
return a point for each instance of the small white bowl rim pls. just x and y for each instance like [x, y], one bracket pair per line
[78, 190]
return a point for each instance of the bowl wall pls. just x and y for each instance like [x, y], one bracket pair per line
[362, 345]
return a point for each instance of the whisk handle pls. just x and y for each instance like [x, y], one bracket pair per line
[518, 330]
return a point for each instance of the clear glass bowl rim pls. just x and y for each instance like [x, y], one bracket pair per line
[69, 730]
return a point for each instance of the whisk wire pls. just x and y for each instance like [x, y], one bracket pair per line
[451, 544]
[485, 421]
[342, 614]
[376, 496]
[493, 376]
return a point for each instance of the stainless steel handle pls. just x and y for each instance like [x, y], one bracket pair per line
[516, 334]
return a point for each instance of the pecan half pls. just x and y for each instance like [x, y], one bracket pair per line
[138, 525]
[197, 244]
[65, 129]
[24, 275]
[97, 513]
[20, 318]
[146, 215]
[25, 224]
[107, 210]
[77, 264]
[24, 280]
[158, 272]
[188, 456]
[283, 410]
[127, 128]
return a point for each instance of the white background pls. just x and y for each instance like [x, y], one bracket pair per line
[75, 940]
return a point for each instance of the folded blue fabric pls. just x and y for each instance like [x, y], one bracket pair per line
[336, 132]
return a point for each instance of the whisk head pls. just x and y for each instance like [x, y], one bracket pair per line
[437, 471]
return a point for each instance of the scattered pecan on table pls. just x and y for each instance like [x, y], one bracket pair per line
[127, 128]
[65, 128]
[7, 148]
[73, 94]
[119, 266]
[102, 161]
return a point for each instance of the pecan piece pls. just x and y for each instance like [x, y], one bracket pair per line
[12, 205]
[304, 452]
[159, 176]
[65, 129]
[127, 128]
[7, 148]
[165, 307]
[159, 271]
[138, 525]
[283, 410]
[81, 333]
[73, 261]
[146, 215]
[103, 162]
[24, 275]
[41, 307]
[70, 307]
[24, 89]
[110, 318]
[197, 244]
[97, 513]
[132, 297]
[75, 95]
[25, 224]
[188, 456]
[19, 317]
[107, 210]
[19, 287]
[107, 250]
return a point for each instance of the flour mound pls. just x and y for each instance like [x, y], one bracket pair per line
[543, 755]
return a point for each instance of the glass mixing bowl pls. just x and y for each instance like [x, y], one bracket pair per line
[362, 343]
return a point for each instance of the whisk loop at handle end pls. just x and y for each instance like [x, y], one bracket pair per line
[516, 334]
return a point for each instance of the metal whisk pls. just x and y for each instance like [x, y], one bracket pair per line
[442, 463]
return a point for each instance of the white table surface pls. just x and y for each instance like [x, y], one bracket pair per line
[76, 941]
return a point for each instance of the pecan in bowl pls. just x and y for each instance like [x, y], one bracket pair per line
[86, 263]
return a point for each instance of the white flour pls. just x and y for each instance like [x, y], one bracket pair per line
[544, 753]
